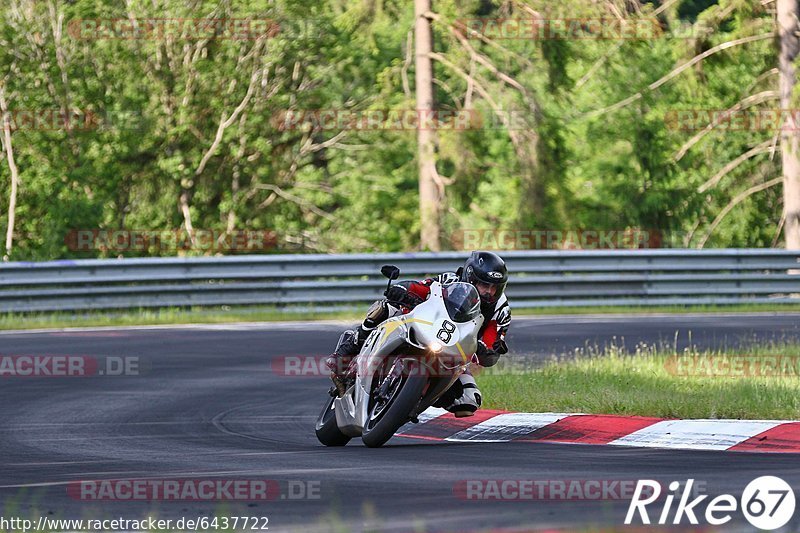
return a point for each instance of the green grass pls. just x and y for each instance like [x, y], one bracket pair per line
[659, 309]
[219, 315]
[612, 381]
[165, 317]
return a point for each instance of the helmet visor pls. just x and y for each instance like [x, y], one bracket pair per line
[462, 301]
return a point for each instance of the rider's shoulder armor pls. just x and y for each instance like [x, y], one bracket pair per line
[502, 312]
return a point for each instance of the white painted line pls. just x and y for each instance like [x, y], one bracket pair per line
[504, 427]
[426, 416]
[430, 413]
[696, 434]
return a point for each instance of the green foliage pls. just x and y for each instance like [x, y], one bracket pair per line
[156, 104]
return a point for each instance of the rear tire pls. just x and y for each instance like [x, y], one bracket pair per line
[378, 431]
[327, 431]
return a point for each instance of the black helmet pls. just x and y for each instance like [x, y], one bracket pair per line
[486, 268]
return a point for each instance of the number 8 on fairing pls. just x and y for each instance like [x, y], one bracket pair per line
[446, 333]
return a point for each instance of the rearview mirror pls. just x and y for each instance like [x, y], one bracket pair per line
[390, 271]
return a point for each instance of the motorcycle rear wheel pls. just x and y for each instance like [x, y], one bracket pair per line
[385, 419]
[327, 431]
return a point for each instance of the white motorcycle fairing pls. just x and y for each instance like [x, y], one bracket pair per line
[434, 333]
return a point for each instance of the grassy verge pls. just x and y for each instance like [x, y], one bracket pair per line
[166, 317]
[654, 381]
[221, 315]
[659, 309]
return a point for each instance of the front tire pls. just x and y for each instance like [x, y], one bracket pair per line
[382, 425]
[327, 431]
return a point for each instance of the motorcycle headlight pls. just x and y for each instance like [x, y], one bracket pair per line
[436, 346]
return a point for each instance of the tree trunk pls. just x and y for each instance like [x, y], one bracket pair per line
[429, 193]
[185, 200]
[12, 165]
[790, 46]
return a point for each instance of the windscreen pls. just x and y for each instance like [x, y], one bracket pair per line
[462, 301]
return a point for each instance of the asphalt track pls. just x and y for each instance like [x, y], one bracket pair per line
[207, 404]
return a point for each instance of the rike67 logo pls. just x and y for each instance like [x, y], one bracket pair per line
[767, 503]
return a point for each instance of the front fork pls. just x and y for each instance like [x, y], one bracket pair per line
[394, 373]
[437, 384]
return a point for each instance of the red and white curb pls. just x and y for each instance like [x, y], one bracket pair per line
[701, 434]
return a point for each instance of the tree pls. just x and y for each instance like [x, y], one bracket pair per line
[790, 137]
[430, 195]
[570, 131]
[12, 166]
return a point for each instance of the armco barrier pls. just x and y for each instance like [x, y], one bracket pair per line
[538, 279]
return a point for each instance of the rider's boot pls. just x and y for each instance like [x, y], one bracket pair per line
[339, 360]
[463, 398]
[351, 342]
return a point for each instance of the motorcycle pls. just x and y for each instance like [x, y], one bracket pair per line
[405, 365]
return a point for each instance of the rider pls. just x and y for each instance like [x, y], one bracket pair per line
[488, 273]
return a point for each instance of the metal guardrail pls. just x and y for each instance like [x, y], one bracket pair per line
[538, 279]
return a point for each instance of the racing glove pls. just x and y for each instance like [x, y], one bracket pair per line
[489, 356]
[398, 294]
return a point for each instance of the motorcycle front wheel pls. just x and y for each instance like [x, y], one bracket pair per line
[327, 431]
[386, 414]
